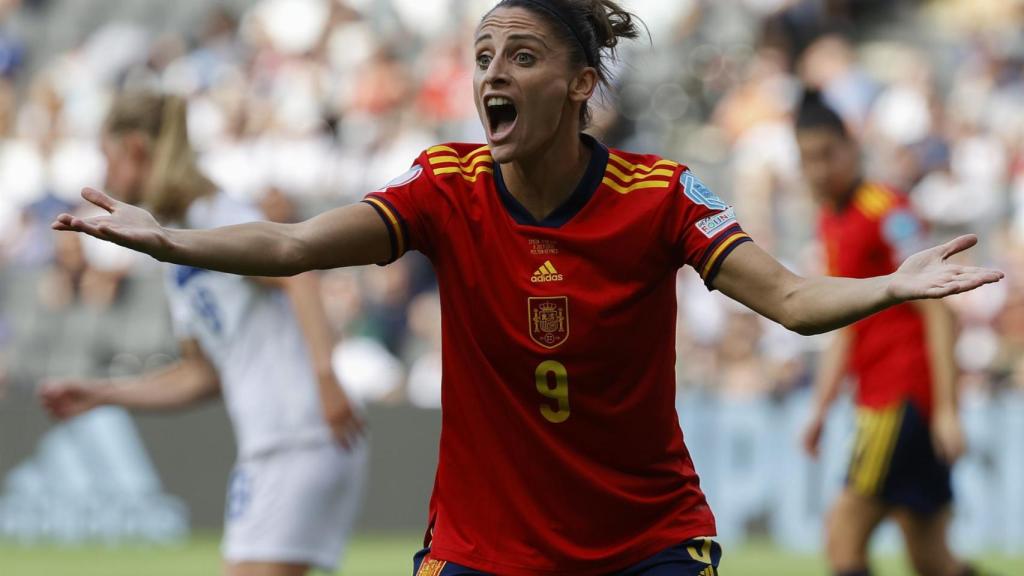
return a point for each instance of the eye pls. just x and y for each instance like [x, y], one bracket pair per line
[525, 58]
[483, 61]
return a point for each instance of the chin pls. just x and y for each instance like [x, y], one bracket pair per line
[505, 152]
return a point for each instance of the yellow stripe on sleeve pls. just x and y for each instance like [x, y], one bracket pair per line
[469, 177]
[640, 167]
[710, 264]
[453, 151]
[394, 222]
[635, 186]
[868, 204]
[627, 178]
[454, 160]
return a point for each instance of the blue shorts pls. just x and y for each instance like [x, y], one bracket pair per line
[697, 557]
[894, 461]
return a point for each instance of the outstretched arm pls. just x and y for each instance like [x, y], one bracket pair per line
[181, 384]
[348, 236]
[814, 305]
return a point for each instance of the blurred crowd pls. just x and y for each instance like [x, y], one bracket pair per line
[301, 105]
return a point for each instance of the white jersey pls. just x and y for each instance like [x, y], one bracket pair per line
[250, 334]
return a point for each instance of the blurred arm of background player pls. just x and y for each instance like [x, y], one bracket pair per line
[947, 434]
[304, 293]
[940, 335]
[827, 380]
[184, 383]
[352, 235]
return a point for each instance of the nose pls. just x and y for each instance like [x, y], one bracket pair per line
[497, 73]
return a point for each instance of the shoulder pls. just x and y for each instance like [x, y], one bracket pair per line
[457, 160]
[628, 172]
[875, 201]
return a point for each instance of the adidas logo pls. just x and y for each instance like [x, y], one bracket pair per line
[546, 273]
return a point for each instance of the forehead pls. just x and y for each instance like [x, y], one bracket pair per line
[811, 137]
[506, 21]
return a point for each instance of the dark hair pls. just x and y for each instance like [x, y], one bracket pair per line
[815, 113]
[590, 28]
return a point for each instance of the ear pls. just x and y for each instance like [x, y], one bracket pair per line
[584, 85]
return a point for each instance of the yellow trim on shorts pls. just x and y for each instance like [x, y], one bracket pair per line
[877, 434]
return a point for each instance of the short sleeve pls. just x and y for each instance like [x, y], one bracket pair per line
[181, 314]
[221, 210]
[403, 204]
[903, 233]
[702, 228]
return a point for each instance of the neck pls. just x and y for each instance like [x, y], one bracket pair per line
[839, 203]
[543, 181]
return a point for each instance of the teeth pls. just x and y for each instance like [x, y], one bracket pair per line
[498, 101]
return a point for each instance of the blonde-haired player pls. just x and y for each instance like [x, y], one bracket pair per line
[262, 342]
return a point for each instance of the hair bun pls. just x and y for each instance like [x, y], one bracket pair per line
[610, 22]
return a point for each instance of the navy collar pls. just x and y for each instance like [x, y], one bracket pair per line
[577, 200]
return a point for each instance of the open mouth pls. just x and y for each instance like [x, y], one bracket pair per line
[501, 116]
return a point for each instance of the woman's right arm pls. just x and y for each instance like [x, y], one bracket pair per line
[348, 236]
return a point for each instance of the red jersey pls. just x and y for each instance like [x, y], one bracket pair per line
[871, 236]
[561, 451]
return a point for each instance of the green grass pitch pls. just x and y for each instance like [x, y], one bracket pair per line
[374, 556]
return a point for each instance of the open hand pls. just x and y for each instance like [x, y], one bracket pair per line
[927, 274]
[124, 224]
[342, 417]
[812, 435]
[948, 436]
[65, 399]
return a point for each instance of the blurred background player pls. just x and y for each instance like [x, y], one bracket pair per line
[908, 429]
[295, 490]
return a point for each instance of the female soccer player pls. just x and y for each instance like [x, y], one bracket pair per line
[556, 258]
[264, 342]
[908, 431]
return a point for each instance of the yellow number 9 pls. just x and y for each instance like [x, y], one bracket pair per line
[559, 393]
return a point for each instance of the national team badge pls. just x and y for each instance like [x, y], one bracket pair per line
[549, 320]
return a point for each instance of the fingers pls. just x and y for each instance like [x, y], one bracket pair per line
[963, 280]
[811, 439]
[348, 429]
[949, 450]
[69, 223]
[957, 245]
[64, 223]
[99, 198]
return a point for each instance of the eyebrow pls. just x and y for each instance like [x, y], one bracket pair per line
[527, 37]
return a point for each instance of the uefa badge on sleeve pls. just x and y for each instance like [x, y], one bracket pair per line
[549, 320]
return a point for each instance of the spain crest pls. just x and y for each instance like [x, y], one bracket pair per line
[549, 320]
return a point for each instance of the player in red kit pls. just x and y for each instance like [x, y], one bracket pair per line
[556, 258]
[908, 431]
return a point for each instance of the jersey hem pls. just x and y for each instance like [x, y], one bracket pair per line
[479, 563]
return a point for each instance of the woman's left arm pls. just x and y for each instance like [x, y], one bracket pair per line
[813, 305]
